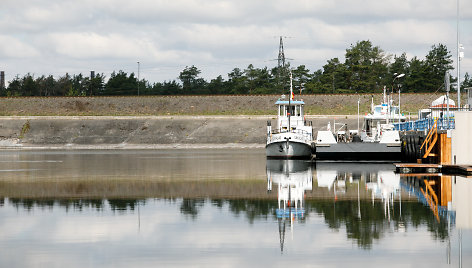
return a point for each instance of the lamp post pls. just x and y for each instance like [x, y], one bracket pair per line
[358, 104]
[397, 76]
[138, 78]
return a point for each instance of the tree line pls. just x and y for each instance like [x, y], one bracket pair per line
[366, 68]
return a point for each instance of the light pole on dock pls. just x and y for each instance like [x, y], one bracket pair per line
[393, 82]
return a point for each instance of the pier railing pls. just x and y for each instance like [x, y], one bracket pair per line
[425, 124]
[436, 114]
[430, 140]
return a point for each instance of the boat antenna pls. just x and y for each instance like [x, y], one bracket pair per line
[384, 94]
[372, 104]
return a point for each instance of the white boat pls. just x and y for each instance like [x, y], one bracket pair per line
[378, 124]
[376, 141]
[291, 137]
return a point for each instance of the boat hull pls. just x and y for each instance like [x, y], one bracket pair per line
[289, 149]
[359, 151]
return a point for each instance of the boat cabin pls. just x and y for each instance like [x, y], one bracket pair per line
[382, 117]
[290, 109]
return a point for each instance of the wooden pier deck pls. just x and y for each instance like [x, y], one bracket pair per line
[413, 169]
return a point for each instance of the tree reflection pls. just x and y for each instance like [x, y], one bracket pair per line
[75, 204]
[122, 205]
[190, 207]
[372, 224]
[364, 228]
[252, 209]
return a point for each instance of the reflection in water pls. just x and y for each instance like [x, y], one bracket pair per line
[120, 205]
[190, 207]
[366, 199]
[293, 178]
[450, 200]
[332, 214]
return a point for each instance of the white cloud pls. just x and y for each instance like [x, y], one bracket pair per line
[11, 47]
[92, 45]
[215, 35]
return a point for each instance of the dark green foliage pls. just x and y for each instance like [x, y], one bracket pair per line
[467, 81]
[121, 84]
[367, 68]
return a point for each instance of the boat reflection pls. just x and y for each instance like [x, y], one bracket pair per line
[293, 179]
[378, 181]
[369, 200]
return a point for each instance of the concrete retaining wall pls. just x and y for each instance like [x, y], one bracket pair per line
[143, 132]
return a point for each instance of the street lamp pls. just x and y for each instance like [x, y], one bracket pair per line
[398, 76]
[138, 78]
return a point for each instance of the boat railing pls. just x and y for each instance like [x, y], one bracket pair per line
[296, 131]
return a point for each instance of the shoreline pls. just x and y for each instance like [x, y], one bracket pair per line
[145, 132]
[101, 117]
[111, 147]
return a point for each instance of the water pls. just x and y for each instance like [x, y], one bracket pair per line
[224, 208]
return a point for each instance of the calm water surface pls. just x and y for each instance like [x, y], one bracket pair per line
[225, 208]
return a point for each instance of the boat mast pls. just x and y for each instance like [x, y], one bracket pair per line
[289, 102]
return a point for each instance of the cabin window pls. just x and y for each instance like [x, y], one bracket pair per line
[292, 110]
[299, 110]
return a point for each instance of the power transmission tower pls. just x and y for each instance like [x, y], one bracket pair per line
[281, 59]
[281, 71]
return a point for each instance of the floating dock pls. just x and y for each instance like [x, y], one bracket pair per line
[411, 169]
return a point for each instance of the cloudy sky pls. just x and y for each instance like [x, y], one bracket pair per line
[45, 37]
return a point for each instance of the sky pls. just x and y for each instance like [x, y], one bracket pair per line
[54, 37]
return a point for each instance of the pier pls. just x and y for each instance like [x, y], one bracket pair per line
[445, 151]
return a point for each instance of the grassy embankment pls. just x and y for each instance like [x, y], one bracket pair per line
[199, 105]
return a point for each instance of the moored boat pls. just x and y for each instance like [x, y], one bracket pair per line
[378, 140]
[291, 137]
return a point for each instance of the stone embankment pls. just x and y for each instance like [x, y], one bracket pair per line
[141, 132]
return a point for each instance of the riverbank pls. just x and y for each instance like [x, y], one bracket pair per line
[144, 132]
